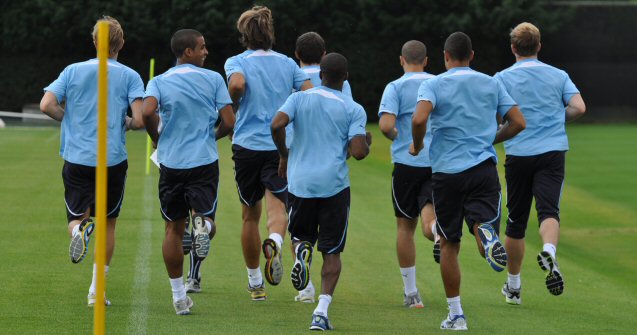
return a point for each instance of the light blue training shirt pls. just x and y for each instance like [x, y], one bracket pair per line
[270, 79]
[314, 70]
[541, 91]
[399, 99]
[190, 98]
[324, 122]
[463, 120]
[77, 85]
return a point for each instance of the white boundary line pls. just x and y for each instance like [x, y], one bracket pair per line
[137, 322]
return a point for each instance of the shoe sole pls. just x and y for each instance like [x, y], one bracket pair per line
[554, 281]
[273, 267]
[201, 242]
[300, 274]
[186, 243]
[436, 252]
[79, 242]
[493, 250]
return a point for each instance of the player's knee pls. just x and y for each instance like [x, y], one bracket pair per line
[516, 229]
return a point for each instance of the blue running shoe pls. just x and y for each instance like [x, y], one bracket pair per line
[79, 241]
[493, 250]
[300, 273]
[320, 322]
[457, 322]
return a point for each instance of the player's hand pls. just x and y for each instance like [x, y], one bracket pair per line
[368, 138]
[283, 167]
[413, 150]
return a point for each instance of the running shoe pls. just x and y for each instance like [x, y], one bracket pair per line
[79, 241]
[192, 286]
[320, 322]
[201, 240]
[91, 300]
[494, 251]
[257, 293]
[554, 281]
[413, 300]
[273, 264]
[182, 307]
[300, 273]
[512, 296]
[457, 322]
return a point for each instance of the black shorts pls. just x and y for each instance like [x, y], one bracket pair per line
[473, 195]
[320, 219]
[255, 171]
[182, 190]
[79, 189]
[410, 190]
[540, 176]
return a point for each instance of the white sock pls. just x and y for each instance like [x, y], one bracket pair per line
[277, 238]
[514, 281]
[434, 229]
[454, 306]
[323, 304]
[409, 279]
[92, 289]
[75, 230]
[208, 226]
[179, 290]
[254, 277]
[550, 248]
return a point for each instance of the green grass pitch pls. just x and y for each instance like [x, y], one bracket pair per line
[41, 292]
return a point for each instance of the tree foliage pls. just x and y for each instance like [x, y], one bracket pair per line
[40, 37]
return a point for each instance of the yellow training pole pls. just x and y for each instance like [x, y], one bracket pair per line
[149, 145]
[101, 177]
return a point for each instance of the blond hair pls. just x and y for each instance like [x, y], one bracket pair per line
[116, 34]
[525, 37]
[256, 28]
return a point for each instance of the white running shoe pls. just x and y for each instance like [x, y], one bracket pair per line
[192, 286]
[90, 298]
[457, 322]
[79, 241]
[413, 300]
[306, 295]
[513, 296]
[182, 307]
[200, 238]
[554, 280]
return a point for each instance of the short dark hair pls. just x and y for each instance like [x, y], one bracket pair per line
[257, 28]
[310, 48]
[182, 40]
[414, 52]
[458, 45]
[333, 67]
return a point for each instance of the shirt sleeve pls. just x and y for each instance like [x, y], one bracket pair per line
[152, 90]
[569, 90]
[505, 102]
[426, 92]
[357, 125]
[389, 102]
[299, 75]
[222, 97]
[232, 66]
[58, 87]
[135, 87]
[289, 107]
[347, 90]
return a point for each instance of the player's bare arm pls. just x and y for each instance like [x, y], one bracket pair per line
[575, 108]
[387, 124]
[49, 105]
[514, 123]
[419, 126]
[151, 118]
[136, 121]
[227, 122]
[236, 88]
[359, 146]
[279, 123]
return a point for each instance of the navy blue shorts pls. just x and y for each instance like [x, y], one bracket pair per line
[79, 189]
[254, 171]
[410, 190]
[472, 195]
[527, 177]
[183, 190]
